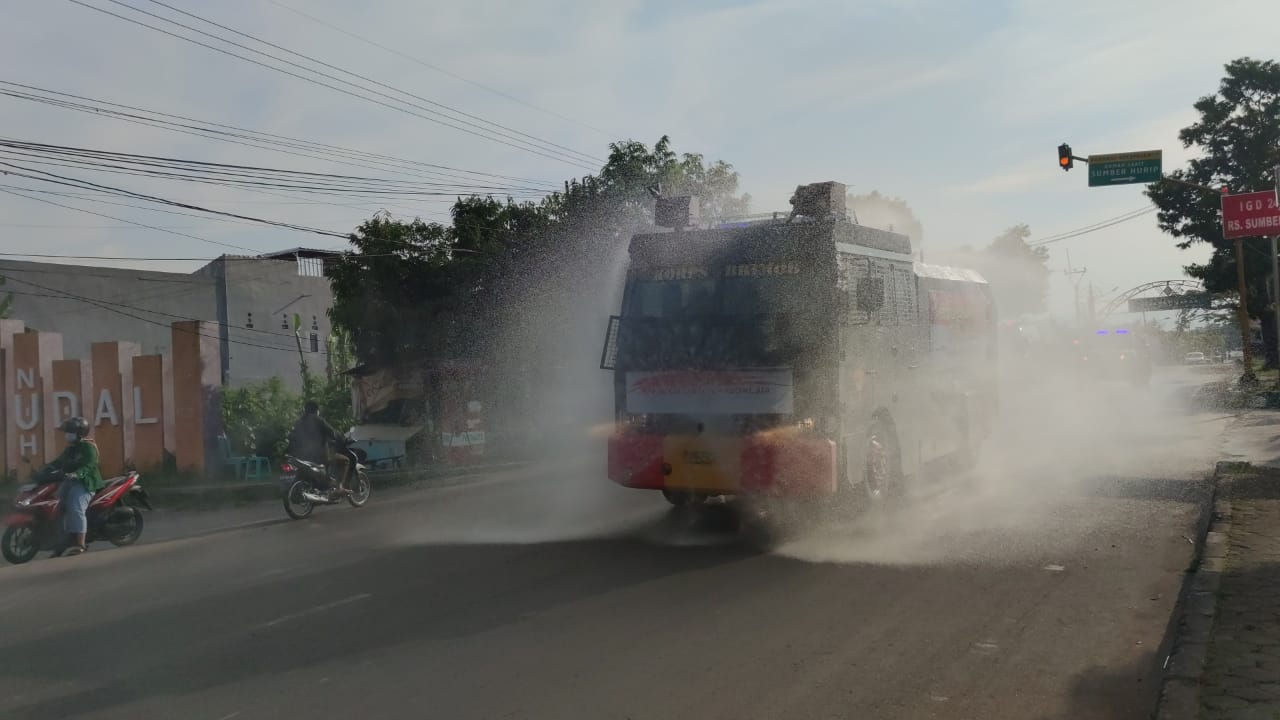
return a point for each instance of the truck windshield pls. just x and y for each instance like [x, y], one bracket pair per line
[673, 298]
[712, 296]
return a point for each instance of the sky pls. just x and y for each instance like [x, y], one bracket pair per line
[956, 106]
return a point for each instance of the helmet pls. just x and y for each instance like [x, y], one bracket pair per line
[77, 426]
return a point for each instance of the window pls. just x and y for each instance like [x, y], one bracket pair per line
[853, 272]
[904, 295]
[674, 298]
[310, 267]
[870, 294]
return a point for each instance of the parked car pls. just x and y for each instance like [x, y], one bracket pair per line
[1195, 358]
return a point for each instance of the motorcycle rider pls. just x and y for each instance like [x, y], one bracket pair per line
[313, 439]
[81, 480]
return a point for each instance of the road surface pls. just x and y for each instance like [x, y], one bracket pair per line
[1041, 588]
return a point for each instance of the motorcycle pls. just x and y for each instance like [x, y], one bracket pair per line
[308, 484]
[114, 515]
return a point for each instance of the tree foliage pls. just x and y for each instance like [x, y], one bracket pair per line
[6, 302]
[331, 391]
[1017, 272]
[257, 418]
[504, 274]
[1238, 135]
[887, 213]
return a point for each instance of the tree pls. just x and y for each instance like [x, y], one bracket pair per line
[389, 292]
[881, 211]
[504, 272]
[258, 417]
[1238, 134]
[1017, 272]
[522, 289]
[6, 303]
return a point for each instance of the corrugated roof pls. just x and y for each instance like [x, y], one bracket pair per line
[299, 252]
[942, 272]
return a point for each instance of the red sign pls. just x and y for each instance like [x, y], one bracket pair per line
[1250, 214]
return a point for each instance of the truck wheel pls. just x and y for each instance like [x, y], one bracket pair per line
[683, 498]
[878, 482]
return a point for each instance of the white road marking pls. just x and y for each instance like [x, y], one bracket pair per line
[1054, 568]
[316, 609]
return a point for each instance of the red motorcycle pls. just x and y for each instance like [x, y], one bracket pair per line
[114, 515]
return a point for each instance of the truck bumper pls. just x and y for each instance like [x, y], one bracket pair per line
[770, 463]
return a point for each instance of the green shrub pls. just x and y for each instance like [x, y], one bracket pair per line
[258, 417]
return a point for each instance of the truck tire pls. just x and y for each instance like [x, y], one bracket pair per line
[873, 479]
[684, 498]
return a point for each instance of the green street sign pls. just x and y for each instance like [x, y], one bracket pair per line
[1133, 168]
[1184, 301]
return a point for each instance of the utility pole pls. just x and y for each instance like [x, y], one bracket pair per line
[1275, 277]
[1242, 314]
[1075, 276]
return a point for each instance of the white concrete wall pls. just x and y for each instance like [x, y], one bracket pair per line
[108, 303]
[273, 291]
[92, 304]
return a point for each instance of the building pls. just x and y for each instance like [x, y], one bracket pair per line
[253, 302]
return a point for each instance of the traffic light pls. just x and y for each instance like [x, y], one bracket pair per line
[1064, 157]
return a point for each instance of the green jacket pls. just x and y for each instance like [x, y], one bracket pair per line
[80, 460]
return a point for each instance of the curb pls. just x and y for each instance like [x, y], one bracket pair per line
[1197, 606]
[180, 498]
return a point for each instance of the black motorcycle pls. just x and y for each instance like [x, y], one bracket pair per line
[308, 484]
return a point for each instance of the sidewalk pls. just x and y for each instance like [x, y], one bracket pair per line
[177, 521]
[1241, 672]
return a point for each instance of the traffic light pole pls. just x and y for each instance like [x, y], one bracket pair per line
[1065, 161]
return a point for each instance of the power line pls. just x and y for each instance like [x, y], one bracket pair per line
[374, 184]
[365, 78]
[86, 197]
[224, 133]
[1101, 225]
[114, 307]
[161, 259]
[441, 70]
[74, 298]
[73, 182]
[116, 303]
[318, 190]
[231, 179]
[55, 226]
[207, 284]
[358, 205]
[196, 282]
[47, 270]
[130, 222]
[398, 108]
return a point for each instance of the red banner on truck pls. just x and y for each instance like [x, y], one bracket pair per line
[1250, 215]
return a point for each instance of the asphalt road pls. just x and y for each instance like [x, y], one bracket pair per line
[1042, 587]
